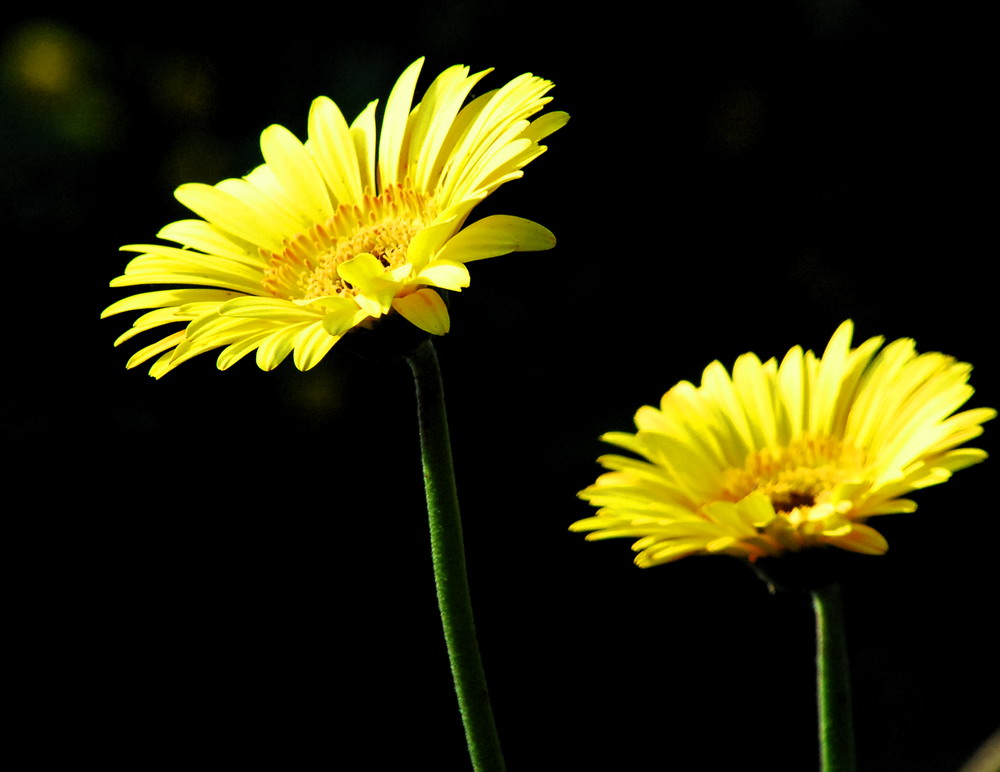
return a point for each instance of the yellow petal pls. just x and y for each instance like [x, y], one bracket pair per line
[497, 235]
[230, 213]
[164, 298]
[331, 143]
[446, 274]
[394, 123]
[210, 239]
[424, 309]
[275, 309]
[363, 137]
[312, 345]
[341, 317]
[236, 351]
[367, 275]
[435, 122]
[278, 345]
[296, 172]
[155, 348]
[545, 125]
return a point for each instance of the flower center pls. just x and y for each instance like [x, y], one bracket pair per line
[381, 226]
[798, 476]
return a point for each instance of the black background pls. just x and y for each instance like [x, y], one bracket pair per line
[232, 568]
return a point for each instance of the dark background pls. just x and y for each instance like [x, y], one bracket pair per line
[232, 568]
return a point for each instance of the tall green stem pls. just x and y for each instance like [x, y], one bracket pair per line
[448, 555]
[833, 684]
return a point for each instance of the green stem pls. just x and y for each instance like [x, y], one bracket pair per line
[449, 564]
[833, 684]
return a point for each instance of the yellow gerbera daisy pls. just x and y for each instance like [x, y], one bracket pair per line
[326, 236]
[783, 457]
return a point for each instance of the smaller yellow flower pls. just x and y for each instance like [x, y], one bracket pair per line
[779, 458]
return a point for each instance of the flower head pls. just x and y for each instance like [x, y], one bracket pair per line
[782, 457]
[334, 233]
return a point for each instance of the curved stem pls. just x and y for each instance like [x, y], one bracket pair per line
[833, 684]
[449, 563]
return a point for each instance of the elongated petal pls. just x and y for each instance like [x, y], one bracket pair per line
[164, 298]
[229, 213]
[446, 274]
[335, 151]
[363, 137]
[205, 237]
[424, 309]
[279, 344]
[312, 345]
[497, 235]
[394, 124]
[296, 173]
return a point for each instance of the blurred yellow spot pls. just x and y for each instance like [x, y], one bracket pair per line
[43, 58]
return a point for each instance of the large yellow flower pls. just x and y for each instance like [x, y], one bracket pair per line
[783, 457]
[326, 236]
